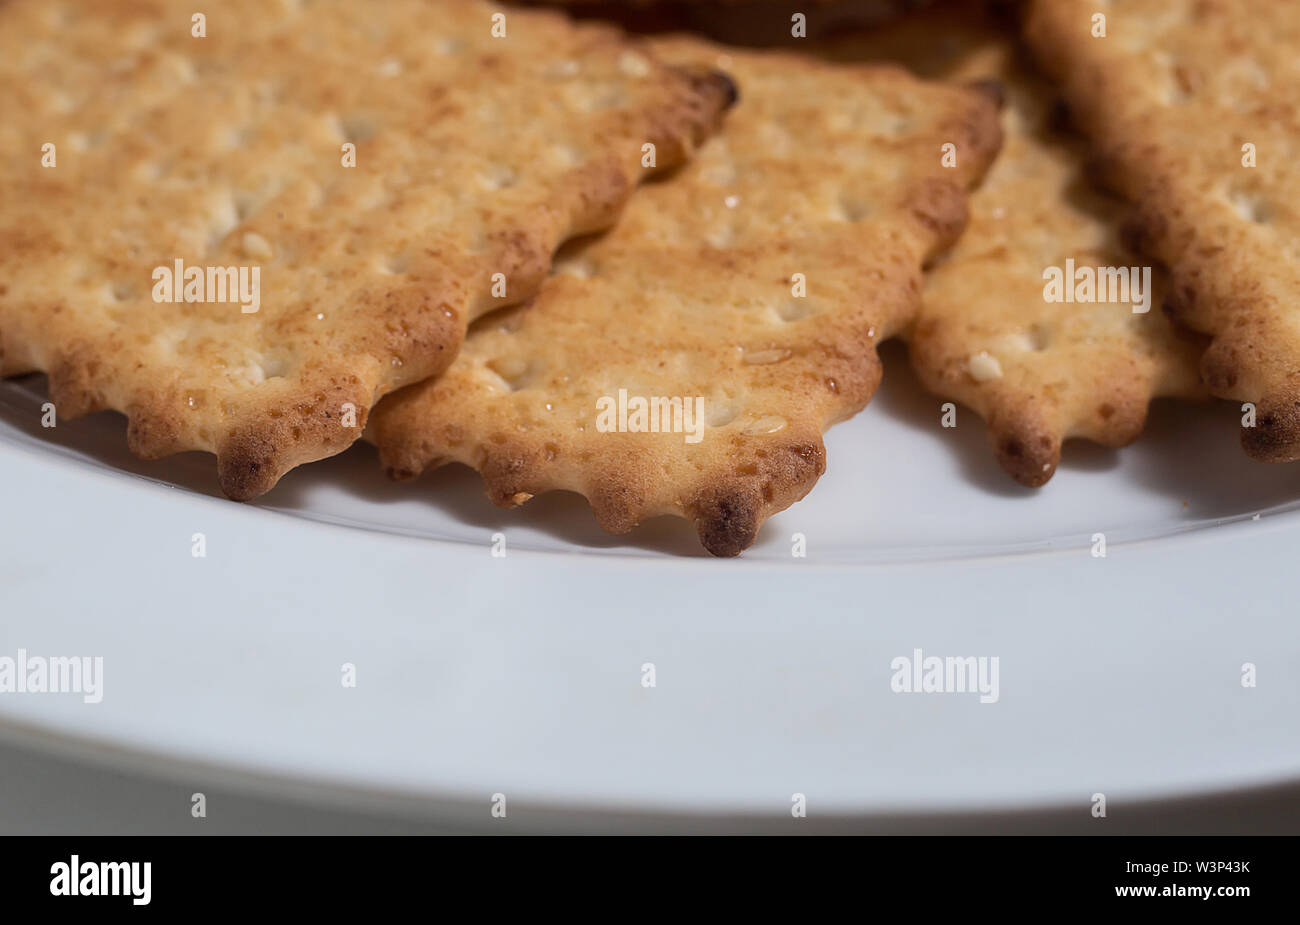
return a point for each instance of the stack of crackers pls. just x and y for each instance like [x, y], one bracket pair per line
[649, 268]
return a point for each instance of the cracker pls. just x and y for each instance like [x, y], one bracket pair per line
[759, 278]
[474, 155]
[1171, 97]
[1038, 371]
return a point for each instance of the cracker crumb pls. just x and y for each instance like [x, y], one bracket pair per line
[983, 367]
[763, 357]
[768, 424]
[633, 65]
[256, 246]
[565, 67]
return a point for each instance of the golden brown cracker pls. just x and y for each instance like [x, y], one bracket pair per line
[1192, 105]
[758, 279]
[1038, 371]
[138, 133]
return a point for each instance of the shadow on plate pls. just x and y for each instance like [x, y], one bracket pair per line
[455, 490]
[1189, 451]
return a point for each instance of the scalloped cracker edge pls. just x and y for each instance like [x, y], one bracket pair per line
[473, 154]
[1038, 371]
[758, 279]
[1181, 98]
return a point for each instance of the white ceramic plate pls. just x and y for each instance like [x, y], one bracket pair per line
[523, 675]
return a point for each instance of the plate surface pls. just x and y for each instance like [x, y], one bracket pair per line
[523, 674]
